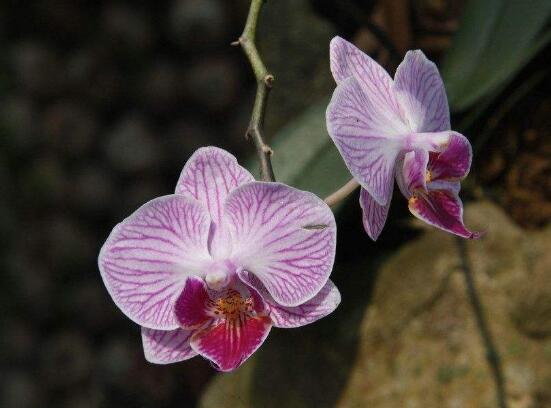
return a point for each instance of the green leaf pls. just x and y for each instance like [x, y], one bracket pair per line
[495, 40]
[304, 155]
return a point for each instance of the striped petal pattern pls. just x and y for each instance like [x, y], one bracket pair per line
[146, 259]
[166, 346]
[420, 90]
[229, 345]
[283, 236]
[442, 209]
[373, 214]
[367, 141]
[208, 177]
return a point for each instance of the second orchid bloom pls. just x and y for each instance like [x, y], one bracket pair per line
[399, 129]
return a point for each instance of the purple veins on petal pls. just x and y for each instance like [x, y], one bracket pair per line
[147, 257]
[173, 266]
[386, 129]
[226, 326]
[166, 346]
[325, 302]
[420, 90]
[369, 144]
[373, 214]
[349, 61]
[442, 209]
[266, 223]
[208, 177]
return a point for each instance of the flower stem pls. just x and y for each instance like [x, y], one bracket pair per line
[492, 355]
[343, 192]
[264, 81]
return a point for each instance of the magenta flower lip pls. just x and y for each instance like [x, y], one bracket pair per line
[210, 269]
[399, 128]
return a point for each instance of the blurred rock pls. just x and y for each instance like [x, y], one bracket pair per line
[37, 69]
[213, 83]
[70, 127]
[418, 342]
[531, 306]
[19, 390]
[66, 360]
[198, 23]
[130, 147]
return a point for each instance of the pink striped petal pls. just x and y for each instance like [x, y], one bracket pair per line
[191, 306]
[325, 302]
[442, 209]
[284, 236]
[368, 141]
[454, 162]
[209, 176]
[421, 92]
[349, 61]
[228, 343]
[166, 346]
[146, 259]
[373, 214]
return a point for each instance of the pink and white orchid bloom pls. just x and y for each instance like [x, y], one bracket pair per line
[387, 128]
[210, 269]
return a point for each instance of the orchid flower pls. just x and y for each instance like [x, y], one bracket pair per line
[210, 269]
[386, 129]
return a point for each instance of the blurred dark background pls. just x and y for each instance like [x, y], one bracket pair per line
[101, 104]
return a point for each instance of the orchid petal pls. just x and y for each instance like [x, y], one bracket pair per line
[146, 259]
[373, 214]
[368, 143]
[166, 346]
[191, 306]
[442, 209]
[228, 343]
[324, 303]
[349, 61]
[209, 176]
[454, 162]
[421, 92]
[283, 236]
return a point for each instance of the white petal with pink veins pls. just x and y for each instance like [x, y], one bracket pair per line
[325, 302]
[146, 259]
[167, 346]
[421, 92]
[368, 143]
[209, 176]
[373, 214]
[284, 236]
[349, 61]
